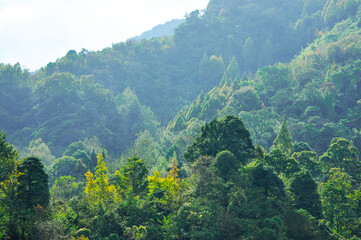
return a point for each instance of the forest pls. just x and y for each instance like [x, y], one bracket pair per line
[245, 123]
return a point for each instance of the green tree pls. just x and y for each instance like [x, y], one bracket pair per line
[342, 154]
[283, 140]
[226, 164]
[282, 163]
[33, 194]
[228, 133]
[336, 194]
[8, 156]
[38, 148]
[33, 184]
[131, 180]
[232, 69]
[305, 193]
[249, 54]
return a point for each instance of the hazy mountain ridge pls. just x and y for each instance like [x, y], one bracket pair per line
[162, 30]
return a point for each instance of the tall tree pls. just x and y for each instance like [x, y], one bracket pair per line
[8, 155]
[342, 154]
[305, 193]
[283, 140]
[249, 54]
[33, 184]
[228, 133]
[32, 193]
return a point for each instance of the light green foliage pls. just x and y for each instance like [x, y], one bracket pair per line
[308, 160]
[101, 93]
[146, 147]
[232, 69]
[65, 188]
[40, 149]
[8, 156]
[249, 54]
[336, 10]
[136, 232]
[338, 198]
[283, 140]
[342, 154]
[210, 71]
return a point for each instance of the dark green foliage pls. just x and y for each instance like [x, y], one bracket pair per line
[68, 166]
[301, 146]
[226, 164]
[230, 190]
[228, 133]
[132, 177]
[264, 177]
[305, 193]
[282, 163]
[33, 184]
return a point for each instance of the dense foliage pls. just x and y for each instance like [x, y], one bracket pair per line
[263, 104]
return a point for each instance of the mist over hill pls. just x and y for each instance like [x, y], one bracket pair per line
[242, 121]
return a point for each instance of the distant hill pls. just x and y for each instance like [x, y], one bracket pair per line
[165, 29]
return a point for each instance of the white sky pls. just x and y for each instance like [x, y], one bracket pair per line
[35, 32]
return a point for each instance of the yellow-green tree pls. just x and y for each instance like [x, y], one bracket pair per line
[165, 190]
[98, 190]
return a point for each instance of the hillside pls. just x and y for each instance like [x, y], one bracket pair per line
[243, 124]
[165, 73]
[161, 30]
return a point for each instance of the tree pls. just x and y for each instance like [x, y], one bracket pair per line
[308, 160]
[228, 133]
[98, 188]
[282, 163]
[283, 140]
[232, 69]
[249, 54]
[305, 193]
[38, 148]
[336, 194]
[131, 180]
[8, 156]
[226, 164]
[33, 186]
[32, 193]
[342, 154]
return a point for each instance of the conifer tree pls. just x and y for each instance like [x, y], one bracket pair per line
[232, 69]
[249, 54]
[283, 140]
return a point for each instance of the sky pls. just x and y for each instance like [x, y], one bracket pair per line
[35, 32]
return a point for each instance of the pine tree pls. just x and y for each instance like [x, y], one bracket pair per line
[283, 140]
[249, 54]
[232, 69]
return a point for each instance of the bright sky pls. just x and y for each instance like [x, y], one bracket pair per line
[35, 32]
